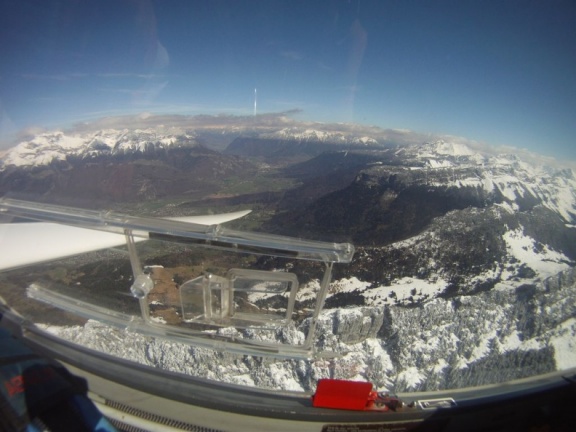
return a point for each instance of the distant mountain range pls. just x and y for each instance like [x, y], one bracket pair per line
[114, 166]
[465, 265]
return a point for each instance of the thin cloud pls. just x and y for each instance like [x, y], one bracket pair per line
[147, 94]
[349, 88]
[117, 90]
[8, 128]
[324, 66]
[127, 75]
[77, 75]
[54, 77]
[292, 55]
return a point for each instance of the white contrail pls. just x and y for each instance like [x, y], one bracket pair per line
[255, 101]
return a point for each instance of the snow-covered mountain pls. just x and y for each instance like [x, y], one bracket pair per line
[49, 147]
[516, 181]
[465, 265]
[317, 135]
[496, 336]
[397, 192]
[112, 165]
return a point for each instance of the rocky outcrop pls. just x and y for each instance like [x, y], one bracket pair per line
[353, 325]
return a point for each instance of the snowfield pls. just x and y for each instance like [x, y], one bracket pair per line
[545, 262]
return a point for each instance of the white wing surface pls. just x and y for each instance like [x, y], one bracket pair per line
[28, 243]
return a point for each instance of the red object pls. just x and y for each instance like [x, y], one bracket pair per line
[342, 394]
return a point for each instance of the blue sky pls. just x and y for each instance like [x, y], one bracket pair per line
[499, 72]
